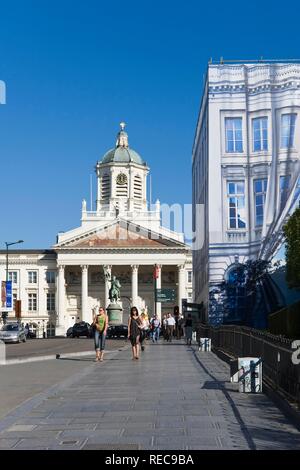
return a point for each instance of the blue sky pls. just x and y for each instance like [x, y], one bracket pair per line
[73, 70]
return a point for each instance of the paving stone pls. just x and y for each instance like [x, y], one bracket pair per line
[166, 411]
[35, 434]
[87, 433]
[142, 419]
[69, 427]
[136, 426]
[38, 421]
[7, 443]
[169, 420]
[170, 432]
[91, 446]
[102, 420]
[37, 444]
[21, 427]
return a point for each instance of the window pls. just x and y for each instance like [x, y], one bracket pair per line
[260, 189]
[50, 277]
[138, 187]
[50, 301]
[105, 186]
[284, 189]
[287, 130]
[13, 276]
[236, 204]
[32, 302]
[234, 137]
[260, 134]
[236, 295]
[190, 276]
[190, 295]
[32, 277]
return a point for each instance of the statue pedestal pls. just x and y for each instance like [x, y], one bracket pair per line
[115, 314]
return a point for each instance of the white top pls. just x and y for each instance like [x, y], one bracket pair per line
[171, 321]
[144, 324]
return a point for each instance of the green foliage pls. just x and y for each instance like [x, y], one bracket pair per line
[292, 234]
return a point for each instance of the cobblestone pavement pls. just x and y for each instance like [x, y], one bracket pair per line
[172, 398]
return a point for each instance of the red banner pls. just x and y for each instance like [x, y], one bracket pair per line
[3, 293]
[156, 272]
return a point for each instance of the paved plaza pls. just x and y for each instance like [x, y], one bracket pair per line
[173, 398]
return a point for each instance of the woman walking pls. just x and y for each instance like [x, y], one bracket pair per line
[100, 323]
[134, 324]
[144, 327]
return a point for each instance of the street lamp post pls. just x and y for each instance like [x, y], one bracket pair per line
[7, 245]
[4, 314]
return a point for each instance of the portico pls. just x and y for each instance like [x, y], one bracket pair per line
[82, 283]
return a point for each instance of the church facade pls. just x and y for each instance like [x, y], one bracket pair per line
[123, 237]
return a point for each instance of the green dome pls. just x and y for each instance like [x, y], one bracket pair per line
[122, 155]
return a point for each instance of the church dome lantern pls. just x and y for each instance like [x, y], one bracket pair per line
[122, 153]
[122, 178]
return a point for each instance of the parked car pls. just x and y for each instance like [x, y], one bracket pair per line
[12, 333]
[31, 334]
[82, 329]
[69, 333]
[117, 331]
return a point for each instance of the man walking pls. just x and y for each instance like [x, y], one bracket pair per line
[170, 326]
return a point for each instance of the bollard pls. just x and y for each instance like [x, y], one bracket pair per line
[250, 374]
[204, 344]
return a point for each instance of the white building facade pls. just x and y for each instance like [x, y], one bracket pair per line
[122, 237]
[245, 167]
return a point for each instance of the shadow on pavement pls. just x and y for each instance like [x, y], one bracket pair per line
[236, 413]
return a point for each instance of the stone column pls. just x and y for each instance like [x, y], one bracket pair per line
[158, 286]
[181, 285]
[61, 302]
[107, 285]
[134, 285]
[85, 313]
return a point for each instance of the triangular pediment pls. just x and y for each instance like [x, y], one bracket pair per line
[120, 234]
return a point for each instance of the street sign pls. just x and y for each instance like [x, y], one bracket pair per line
[165, 295]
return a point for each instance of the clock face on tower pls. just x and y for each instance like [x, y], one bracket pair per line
[121, 178]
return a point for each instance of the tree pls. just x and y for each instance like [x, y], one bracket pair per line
[292, 254]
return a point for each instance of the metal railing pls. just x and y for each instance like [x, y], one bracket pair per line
[276, 352]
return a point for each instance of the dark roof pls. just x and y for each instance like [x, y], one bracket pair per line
[29, 252]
